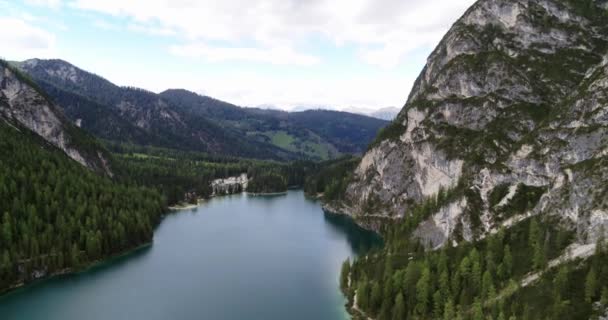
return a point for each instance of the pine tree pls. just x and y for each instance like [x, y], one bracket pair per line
[560, 281]
[604, 299]
[399, 307]
[363, 295]
[507, 262]
[375, 298]
[487, 285]
[344, 274]
[437, 305]
[591, 285]
[423, 292]
[477, 311]
[448, 310]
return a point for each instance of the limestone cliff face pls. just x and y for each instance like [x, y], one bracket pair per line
[509, 116]
[24, 107]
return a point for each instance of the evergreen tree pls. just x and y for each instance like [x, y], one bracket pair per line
[399, 307]
[591, 285]
[487, 285]
[477, 311]
[345, 274]
[363, 295]
[448, 310]
[507, 261]
[423, 292]
[375, 298]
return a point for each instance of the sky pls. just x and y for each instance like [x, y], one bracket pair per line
[288, 54]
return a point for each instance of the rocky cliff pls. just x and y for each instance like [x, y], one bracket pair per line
[25, 107]
[507, 119]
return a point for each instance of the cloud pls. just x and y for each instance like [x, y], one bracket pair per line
[24, 40]
[383, 31]
[278, 55]
[45, 3]
[248, 88]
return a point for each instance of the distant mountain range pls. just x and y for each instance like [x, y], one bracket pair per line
[388, 113]
[185, 120]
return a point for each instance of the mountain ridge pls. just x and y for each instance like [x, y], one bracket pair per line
[25, 105]
[187, 120]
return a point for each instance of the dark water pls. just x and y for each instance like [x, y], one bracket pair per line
[235, 257]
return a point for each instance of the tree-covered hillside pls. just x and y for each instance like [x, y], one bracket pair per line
[58, 216]
[179, 175]
[132, 115]
[316, 134]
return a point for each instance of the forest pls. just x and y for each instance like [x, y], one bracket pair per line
[479, 280]
[176, 173]
[330, 178]
[57, 216]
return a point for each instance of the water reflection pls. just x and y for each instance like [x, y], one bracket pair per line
[359, 239]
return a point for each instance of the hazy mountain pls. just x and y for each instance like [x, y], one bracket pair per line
[388, 113]
[320, 134]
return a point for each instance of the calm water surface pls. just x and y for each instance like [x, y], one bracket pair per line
[236, 257]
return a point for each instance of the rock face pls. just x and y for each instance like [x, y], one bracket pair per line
[229, 185]
[509, 117]
[23, 106]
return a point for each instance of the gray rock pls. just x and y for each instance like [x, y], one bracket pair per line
[515, 93]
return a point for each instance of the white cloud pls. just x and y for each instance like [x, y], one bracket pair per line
[286, 92]
[278, 55]
[24, 41]
[384, 31]
[390, 35]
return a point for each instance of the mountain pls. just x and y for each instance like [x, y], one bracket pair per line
[490, 108]
[185, 120]
[319, 134]
[24, 106]
[137, 116]
[388, 113]
[502, 142]
[61, 209]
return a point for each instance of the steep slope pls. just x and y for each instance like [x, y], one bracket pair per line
[498, 158]
[60, 209]
[319, 134]
[137, 116]
[23, 104]
[487, 111]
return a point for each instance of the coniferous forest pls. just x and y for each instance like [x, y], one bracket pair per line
[58, 216]
[493, 278]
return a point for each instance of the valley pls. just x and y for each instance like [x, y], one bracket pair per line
[484, 197]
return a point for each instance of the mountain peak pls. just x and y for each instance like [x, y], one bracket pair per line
[488, 112]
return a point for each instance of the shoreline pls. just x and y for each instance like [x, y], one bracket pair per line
[258, 194]
[186, 206]
[71, 271]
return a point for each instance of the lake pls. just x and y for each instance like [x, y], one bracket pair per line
[236, 257]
